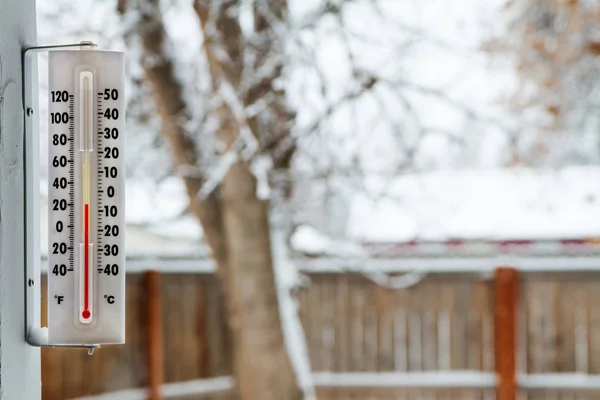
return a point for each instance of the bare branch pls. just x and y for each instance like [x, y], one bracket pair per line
[174, 111]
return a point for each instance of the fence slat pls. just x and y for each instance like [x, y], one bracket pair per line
[505, 313]
[51, 359]
[593, 317]
[342, 311]
[458, 320]
[201, 327]
[155, 352]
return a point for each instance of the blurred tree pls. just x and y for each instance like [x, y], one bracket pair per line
[555, 46]
[316, 89]
[354, 92]
[244, 69]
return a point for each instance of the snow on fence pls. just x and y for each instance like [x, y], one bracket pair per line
[390, 380]
[451, 334]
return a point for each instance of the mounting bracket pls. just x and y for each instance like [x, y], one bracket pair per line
[35, 334]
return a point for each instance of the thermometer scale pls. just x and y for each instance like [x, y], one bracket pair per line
[86, 260]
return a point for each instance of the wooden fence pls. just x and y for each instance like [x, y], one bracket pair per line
[449, 322]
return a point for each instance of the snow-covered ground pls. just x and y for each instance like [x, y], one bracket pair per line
[431, 380]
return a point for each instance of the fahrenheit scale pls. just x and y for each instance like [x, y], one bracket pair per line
[86, 260]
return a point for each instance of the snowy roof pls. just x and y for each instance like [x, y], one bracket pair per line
[479, 205]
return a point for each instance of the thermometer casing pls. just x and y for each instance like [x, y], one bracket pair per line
[86, 193]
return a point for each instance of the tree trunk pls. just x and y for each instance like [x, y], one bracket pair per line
[234, 219]
[264, 370]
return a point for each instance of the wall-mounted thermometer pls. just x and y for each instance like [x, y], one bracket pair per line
[86, 260]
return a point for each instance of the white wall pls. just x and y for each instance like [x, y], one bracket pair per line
[19, 363]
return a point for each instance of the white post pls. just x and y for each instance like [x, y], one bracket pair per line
[19, 363]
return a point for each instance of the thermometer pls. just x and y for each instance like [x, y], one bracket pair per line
[86, 260]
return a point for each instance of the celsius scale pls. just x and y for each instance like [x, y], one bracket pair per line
[86, 199]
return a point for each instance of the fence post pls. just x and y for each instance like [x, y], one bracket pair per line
[155, 336]
[19, 362]
[505, 332]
